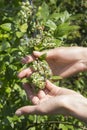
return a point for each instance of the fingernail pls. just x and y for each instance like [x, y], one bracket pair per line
[47, 81]
[23, 60]
[36, 52]
[18, 75]
[18, 113]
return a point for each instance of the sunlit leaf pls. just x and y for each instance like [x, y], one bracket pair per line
[23, 27]
[4, 45]
[6, 26]
[43, 12]
[65, 29]
[51, 25]
[19, 34]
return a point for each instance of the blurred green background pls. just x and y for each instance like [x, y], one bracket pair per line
[21, 21]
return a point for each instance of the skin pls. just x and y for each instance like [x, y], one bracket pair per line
[63, 61]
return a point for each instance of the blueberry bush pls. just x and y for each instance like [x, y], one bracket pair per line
[28, 25]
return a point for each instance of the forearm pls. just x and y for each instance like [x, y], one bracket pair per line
[84, 55]
[78, 108]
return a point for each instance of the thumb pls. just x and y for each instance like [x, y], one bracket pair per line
[37, 54]
[53, 89]
[27, 110]
[50, 85]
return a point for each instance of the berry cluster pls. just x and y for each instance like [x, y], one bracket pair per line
[41, 73]
[42, 42]
[25, 12]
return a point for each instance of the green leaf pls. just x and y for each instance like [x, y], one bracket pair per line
[56, 77]
[63, 16]
[43, 12]
[4, 36]
[65, 29]
[6, 26]
[4, 46]
[43, 57]
[66, 127]
[19, 34]
[51, 24]
[8, 90]
[63, 127]
[23, 27]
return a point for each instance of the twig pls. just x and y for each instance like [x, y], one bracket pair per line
[55, 122]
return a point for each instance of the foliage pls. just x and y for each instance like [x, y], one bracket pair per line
[26, 26]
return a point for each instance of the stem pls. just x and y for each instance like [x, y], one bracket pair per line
[55, 122]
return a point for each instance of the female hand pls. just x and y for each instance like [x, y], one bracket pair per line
[63, 61]
[55, 100]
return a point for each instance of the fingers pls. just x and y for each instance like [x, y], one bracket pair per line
[30, 93]
[50, 85]
[25, 73]
[28, 59]
[53, 89]
[32, 96]
[41, 94]
[26, 110]
[37, 54]
[49, 53]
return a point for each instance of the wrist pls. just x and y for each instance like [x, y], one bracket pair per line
[84, 58]
[77, 107]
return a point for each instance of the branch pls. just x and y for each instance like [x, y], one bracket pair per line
[55, 122]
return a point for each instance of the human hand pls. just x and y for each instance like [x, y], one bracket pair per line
[55, 100]
[63, 61]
